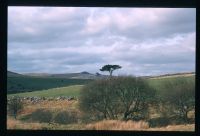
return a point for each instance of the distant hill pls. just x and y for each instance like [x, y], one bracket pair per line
[13, 74]
[37, 74]
[87, 75]
[81, 75]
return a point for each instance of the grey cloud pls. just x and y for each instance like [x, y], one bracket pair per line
[169, 22]
[59, 40]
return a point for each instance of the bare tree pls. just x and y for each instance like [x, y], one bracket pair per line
[98, 99]
[135, 94]
[180, 96]
[116, 97]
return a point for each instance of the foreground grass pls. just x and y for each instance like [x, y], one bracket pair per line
[55, 92]
[117, 125]
[13, 124]
[133, 125]
[25, 121]
[102, 125]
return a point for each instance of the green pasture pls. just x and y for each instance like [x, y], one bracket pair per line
[157, 83]
[26, 84]
[55, 92]
[73, 90]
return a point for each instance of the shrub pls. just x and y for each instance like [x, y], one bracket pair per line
[134, 95]
[117, 96]
[65, 117]
[158, 122]
[178, 97]
[96, 99]
[41, 115]
[15, 105]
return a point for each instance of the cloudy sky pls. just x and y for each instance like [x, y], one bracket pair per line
[144, 41]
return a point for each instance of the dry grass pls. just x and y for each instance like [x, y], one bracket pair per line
[13, 124]
[49, 105]
[188, 127]
[118, 125]
[57, 106]
[53, 104]
[16, 124]
[138, 126]
[102, 125]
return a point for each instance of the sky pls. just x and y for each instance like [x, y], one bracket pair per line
[144, 41]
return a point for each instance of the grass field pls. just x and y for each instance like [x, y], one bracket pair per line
[157, 83]
[74, 90]
[55, 92]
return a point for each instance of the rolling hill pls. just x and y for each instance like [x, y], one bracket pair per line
[81, 75]
[41, 81]
[13, 74]
[74, 90]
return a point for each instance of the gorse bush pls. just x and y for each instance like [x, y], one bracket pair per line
[117, 97]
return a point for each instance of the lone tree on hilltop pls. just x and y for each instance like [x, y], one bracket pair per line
[110, 68]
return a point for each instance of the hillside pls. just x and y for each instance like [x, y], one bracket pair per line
[170, 75]
[27, 83]
[174, 75]
[81, 75]
[55, 92]
[68, 89]
[13, 74]
[40, 81]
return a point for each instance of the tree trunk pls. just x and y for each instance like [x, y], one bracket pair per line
[15, 115]
[110, 73]
[185, 116]
[125, 116]
[104, 114]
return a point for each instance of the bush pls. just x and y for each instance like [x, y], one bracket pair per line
[15, 105]
[178, 98]
[116, 97]
[41, 115]
[66, 117]
[96, 99]
[158, 122]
